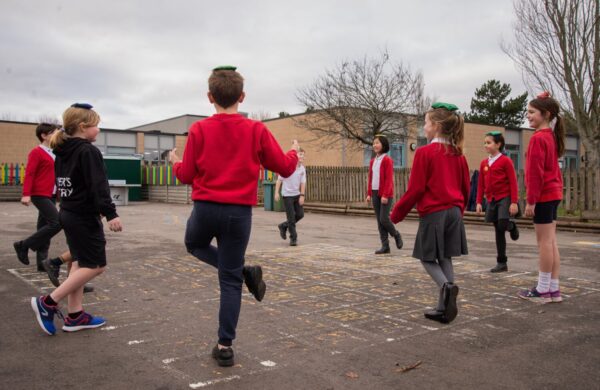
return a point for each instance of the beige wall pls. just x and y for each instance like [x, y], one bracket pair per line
[139, 147]
[180, 141]
[17, 140]
[473, 145]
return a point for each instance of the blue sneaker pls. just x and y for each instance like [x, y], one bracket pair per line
[44, 314]
[535, 296]
[84, 321]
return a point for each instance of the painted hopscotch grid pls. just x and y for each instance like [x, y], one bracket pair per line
[321, 298]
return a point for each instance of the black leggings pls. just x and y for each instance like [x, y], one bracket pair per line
[501, 226]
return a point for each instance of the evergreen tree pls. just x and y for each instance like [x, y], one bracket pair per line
[490, 105]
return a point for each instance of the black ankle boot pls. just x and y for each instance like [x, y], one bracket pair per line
[450, 306]
[500, 267]
[383, 250]
[398, 238]
[514, 232]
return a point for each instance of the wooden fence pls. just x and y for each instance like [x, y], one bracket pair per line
[349, 185]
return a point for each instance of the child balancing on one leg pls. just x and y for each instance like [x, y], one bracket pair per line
[439, 187]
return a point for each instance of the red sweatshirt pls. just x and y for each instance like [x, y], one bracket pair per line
[39, 174]
[497, 181]
[543, 177]
[223, 155]
[439, 180]
[386, 178]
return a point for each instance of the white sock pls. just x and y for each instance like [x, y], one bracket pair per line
[543, 285]
[554, 285]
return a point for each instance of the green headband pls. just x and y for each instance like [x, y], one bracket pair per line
[494, 133]
[446, 106]
[225, 67]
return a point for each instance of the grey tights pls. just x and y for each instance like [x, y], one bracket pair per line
[441, 272]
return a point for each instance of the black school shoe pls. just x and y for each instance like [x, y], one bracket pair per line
[293, 242]
[450, 294]
[223, 356]
[514, 232]
[22, 252]
[254, 281]
[398, 238]
[500, 267]
[436, 315]
[53, 271]
[282, 231]
[383, 250]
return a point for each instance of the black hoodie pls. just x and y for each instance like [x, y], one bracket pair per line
[81, 180]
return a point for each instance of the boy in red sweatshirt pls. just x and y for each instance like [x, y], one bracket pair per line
[40, 190]
[221, 161]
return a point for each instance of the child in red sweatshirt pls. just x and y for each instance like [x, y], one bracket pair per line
[39, 189]
[439, 187]
[498, 181]
[544, 183]
[221, 161]
[380, 189]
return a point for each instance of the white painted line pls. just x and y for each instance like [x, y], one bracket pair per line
[213, 381]
[132, 342]
[389, 340]
[268, 363]
[169, 360]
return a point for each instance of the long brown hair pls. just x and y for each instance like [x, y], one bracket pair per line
[73, 119]
[545, 104]
[452, 124]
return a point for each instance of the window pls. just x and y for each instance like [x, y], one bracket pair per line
[512, 151]
[571, 158]
[368, 155]
[397, 154]
[156, 146]
[421, 141]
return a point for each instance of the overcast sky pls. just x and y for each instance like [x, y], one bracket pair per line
[141, 61]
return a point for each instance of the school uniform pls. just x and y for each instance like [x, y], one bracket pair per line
[439, 187]
[543, 178]
[498, 182]
[381, 185]
[221, 161]
[82, 186]
[39, 185]
[290, 192]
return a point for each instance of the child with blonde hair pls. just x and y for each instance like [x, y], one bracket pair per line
[439, 187]
[84, 194]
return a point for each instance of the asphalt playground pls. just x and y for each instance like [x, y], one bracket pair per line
[335, 315]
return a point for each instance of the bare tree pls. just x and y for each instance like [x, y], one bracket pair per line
[260, 115]
[557, 48]
[361, 98]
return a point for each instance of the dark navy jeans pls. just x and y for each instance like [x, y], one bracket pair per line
[230, 225]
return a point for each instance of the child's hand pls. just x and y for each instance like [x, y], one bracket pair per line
[368, 199]
[513, 209]
[115, 225]
[173, 158]
[276, 197]
[26, 200]
[478, 208]
[295, 145]
[384, 200]
[301, 200]
[530, 210]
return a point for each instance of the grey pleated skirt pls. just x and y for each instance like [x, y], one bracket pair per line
[441, 235]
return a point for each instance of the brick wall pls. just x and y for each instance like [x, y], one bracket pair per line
[17, 139]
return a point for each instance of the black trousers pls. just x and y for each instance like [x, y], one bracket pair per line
[230, 225]
[382, 213]
[294, 213]
[47, 226]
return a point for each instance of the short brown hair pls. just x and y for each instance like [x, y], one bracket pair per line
[45, 128]
[226, 87]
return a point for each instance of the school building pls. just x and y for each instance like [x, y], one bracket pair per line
[152, 141]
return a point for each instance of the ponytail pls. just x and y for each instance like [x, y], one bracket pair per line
[560, 135]
[58, 138]
[457, 134]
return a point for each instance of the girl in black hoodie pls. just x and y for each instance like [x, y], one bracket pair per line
[84, 194]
